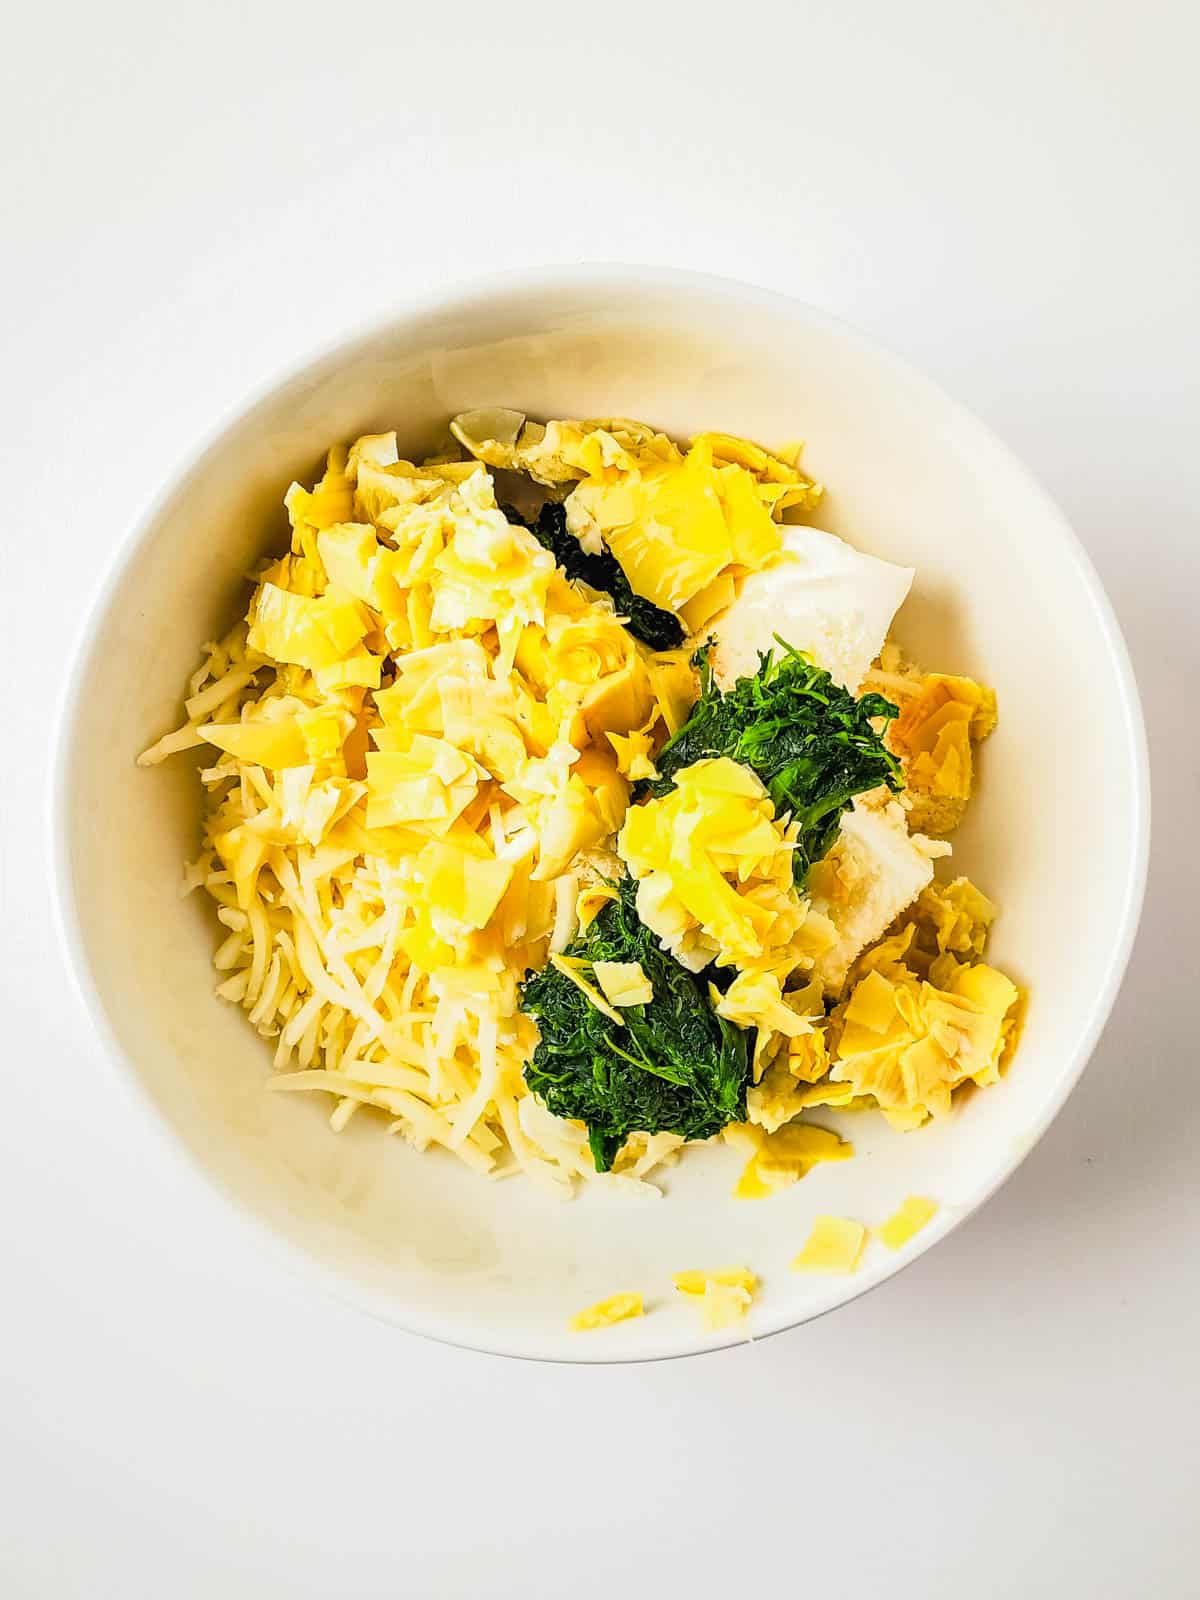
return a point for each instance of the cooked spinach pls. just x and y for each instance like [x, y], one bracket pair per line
[653, 626]
[808, 739]
[672, 1065]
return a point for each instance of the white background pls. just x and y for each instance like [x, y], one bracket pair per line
[196, 196]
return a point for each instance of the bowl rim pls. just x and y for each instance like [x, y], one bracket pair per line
[461, 295]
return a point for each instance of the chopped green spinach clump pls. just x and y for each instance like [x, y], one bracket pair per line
[808, 739]
[659, 629]
[672, 1065]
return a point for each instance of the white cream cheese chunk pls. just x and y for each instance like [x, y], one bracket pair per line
[821, 596]
[886, 871]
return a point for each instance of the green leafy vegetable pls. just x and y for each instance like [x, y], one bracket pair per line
[673, 1065]
[809, 740]
[653, 626]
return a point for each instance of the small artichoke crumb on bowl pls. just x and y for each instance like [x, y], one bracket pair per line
[561, 795]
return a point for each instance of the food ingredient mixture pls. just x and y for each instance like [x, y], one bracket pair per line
[565, 842]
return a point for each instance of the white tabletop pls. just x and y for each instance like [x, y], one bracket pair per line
[194, 197]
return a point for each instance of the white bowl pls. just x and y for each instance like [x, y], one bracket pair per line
[1058, 832]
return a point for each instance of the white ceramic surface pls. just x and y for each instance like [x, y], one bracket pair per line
[1003, 590]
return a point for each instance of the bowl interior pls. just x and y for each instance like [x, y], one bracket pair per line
[1002, 591]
